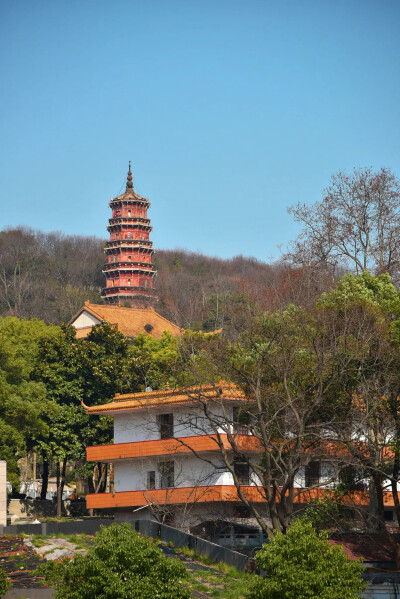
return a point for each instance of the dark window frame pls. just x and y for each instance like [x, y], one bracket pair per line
[167, 474]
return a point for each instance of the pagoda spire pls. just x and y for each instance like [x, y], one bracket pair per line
[129, 184]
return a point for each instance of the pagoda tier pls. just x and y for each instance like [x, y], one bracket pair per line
[129, 270]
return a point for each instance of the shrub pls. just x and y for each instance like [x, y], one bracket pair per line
[304, 565]
[120, 565]
[4, 582]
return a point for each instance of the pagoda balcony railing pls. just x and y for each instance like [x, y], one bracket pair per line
[115, 220]
[129, 243]
[129, 266]
[130, 291]
[129, 226]
[133, 199]
[121, 259]
[138, 268]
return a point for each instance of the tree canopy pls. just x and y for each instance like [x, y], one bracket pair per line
[121, 565]
[355, 225]
[304, 565]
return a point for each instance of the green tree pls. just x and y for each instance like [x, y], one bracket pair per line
[152, 363]
[304, 565]
[74, 370]
[23, 402]
[121, 565]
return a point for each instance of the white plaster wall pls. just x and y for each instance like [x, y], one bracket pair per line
[85, 320]
[3, 493]
[140, 425]
[135, 426]
[189, 471]
[325, 480]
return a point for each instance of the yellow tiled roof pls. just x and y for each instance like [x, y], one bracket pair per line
[131, 321]
[147, 399]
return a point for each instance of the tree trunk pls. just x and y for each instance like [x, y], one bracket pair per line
[64, 467]
[45, 477]
[59, 491]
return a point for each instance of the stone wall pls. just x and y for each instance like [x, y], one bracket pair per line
[35, 509]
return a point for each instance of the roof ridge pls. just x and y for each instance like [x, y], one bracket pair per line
[116, 307]
[178, 391]
[87, 306]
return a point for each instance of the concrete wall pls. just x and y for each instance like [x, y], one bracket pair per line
[189, 471]
[141, 425]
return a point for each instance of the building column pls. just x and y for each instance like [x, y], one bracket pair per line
[3, 493]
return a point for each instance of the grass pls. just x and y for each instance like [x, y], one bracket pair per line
[220, 581]
[220, 585]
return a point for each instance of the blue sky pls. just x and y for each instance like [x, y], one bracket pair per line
[230, 112]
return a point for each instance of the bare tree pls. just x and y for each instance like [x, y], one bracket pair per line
[356, 225]
[292, 369]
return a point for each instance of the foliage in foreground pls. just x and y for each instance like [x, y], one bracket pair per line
[4, 582]
[121, 565]
[304, 565]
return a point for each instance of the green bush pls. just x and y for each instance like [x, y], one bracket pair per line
[4, 582]
[304, 565]
[120, 565]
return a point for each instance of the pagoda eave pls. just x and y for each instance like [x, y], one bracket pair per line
[134, 227]
[129, 243]
[139, 269]
[136, 292]
[128, 220]
[130, 199]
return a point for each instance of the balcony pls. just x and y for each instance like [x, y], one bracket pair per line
[171, 496]
[162, 447]
[212, 494]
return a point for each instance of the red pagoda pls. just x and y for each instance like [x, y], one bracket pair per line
[129, 270]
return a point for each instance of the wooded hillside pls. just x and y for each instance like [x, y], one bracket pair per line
[50, 275]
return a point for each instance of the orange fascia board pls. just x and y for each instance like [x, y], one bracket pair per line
[191, 395]
[141, 449]
[211, 494]
[169, 496]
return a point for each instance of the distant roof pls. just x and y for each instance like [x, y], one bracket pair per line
[147, 399]
[371, 547]
[131, 321]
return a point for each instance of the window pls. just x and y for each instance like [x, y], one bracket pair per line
[312, 474]
[151, 479]
[129, 281]
[240, 421]
[166, 470]
[388, 515]
[114, 259]
[129, 212]
[129, 235]
[242, 471]
[129, 257]
[166, 425]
